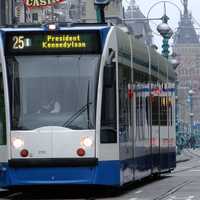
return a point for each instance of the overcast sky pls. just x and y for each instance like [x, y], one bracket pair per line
[172, 12]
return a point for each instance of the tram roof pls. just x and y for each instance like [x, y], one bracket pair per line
[44, 27]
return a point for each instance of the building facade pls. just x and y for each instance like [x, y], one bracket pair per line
[187, 49]
[67, 11]
[6, 12]
[137, 23]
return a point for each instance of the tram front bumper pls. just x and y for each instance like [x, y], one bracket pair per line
[103, 173]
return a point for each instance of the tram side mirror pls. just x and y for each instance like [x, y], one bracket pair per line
[108, 75]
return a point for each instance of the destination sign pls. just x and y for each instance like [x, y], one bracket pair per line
[69, 42]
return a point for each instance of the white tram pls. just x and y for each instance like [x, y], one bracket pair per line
[83, 105]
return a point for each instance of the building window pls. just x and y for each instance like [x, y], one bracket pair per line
[83, 9]
[35, 17]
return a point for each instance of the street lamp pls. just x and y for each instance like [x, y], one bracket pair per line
[166, 32]
[163, 28]
[175, 64]
[179, 134]
[191, 93]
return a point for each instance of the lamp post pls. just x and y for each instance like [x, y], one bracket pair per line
[175, 64]
[163, 28]
[192, 140]
[100, 5]
[166, 32]
[179, 133]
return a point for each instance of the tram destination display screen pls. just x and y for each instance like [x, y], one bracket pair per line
[59, 42]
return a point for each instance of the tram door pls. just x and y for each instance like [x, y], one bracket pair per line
[3, 147]
[125, 121]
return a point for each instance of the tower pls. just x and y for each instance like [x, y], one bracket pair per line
[186, 33]
[187, 48]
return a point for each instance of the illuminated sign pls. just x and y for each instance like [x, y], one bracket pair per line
[61, 42]
[40, 3]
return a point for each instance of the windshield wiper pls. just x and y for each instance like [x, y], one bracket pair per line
[77, 114]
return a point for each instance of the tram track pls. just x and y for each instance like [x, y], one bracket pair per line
[193, 156]
[173, 190]
[96, 194]
[186, 169]
[45, 195]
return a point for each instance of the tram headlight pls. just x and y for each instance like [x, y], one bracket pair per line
[86, 141]
[17, 143]
[52, 27]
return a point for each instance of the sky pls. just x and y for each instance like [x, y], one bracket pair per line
[156, 10]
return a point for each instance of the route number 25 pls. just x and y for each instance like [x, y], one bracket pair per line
[18, 42]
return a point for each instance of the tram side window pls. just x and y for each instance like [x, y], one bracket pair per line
[108, 112]
[2, 111]
[161, 110]
[170, 111]
[155, 110]
[165, 111]
[154, 101]
[124, 80]
[140, 116]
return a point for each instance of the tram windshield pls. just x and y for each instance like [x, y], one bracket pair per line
[48, 90]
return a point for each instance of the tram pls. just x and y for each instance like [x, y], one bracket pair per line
[83, 105]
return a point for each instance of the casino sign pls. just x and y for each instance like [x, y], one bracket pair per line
[40, 3]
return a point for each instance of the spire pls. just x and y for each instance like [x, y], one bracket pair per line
[185, 4]
[186, 33]
[132, 3]
[132, 8]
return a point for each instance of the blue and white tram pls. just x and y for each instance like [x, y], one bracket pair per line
[78, 106]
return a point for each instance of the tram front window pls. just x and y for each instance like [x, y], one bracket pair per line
[53, 91]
